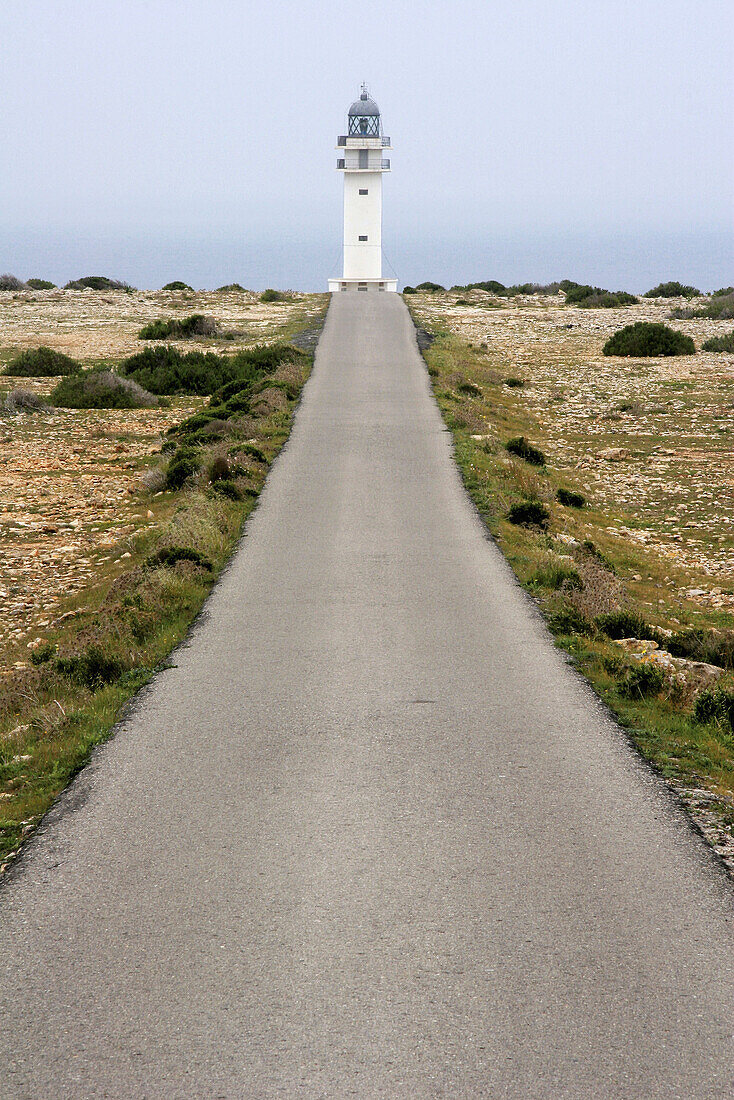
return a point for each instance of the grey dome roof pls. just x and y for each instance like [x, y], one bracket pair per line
[364, 106]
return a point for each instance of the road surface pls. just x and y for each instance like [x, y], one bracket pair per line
[371, 836]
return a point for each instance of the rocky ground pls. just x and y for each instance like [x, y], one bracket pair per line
[650, 439]
[68, 478]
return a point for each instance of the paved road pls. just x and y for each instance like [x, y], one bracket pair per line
[371, 837]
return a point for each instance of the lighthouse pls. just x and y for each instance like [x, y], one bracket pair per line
[363, 164]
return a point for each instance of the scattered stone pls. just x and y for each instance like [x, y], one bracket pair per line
[614, 454]
[679, 668]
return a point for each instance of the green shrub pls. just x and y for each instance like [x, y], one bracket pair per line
[556, 576]
[193, 428]
[644, 339]
[715, 706]
[10, 282]
[609, 299]
[469, 388]
[183, 464]
[714, 647]
[93, 668]
[531, 288]
[595, 296]
[155, 330]
[570, 499]
[522, 449]
[528, 513]
[641, 681]
[719, 343]
[101, 389]
[184, 328]
[228, 489]
[231, 288]
[409, 290]
[428, 285]
[254, 452]
[492, 286]
[720, 308]
[41, 362]
[570, 621]
[271, 295]
[97, 282]
[166, 370]
[724, 291]
[177, 285]
[672, 290]
[172, 554]
[514, 383]
[40, 284]
[219, 468]
[43, 653]
[627, 624]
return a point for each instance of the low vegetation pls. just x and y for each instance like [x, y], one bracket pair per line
[595, 297]
[177, 284]
[167, 371]
[11, 282]
[719, 308]
[97, 282]
[719, 343]
[41, 284]
[672, 290]
[522, 449]
[570, 499]
[492, 286]
[101, 389]
[20, 401]
[588, 297]
[528, 513]
[41, 362]
[271, 295]
[185, 328]
[645, 339]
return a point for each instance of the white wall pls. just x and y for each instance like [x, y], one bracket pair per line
[363, 217]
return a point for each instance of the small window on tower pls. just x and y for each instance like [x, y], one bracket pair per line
[363, 191]
[364, 238]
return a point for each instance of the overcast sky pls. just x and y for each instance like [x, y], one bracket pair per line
[159, 139]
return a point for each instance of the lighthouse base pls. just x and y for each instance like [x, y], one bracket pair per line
[337, 285]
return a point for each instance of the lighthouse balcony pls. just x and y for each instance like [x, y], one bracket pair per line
[362, 141]
[383, 166]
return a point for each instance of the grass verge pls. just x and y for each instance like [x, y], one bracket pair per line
[606, 599]
[111, 637]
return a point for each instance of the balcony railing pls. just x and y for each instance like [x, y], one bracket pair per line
[384, 166]
[342, 139]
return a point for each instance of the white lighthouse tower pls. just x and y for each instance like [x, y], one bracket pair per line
[363, 164]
